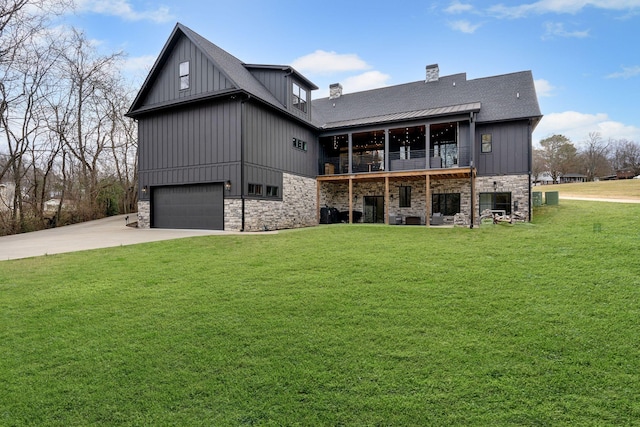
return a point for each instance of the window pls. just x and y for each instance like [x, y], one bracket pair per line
[272, 191]
[299, 144]
[405, 197]
[495, 201]
[299, 98]
[486, 143]
[446, 204]
[255, 189]
[184, 75]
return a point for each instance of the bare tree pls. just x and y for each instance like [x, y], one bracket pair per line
[124, 148]
[559, 155]
[90, 84]
[594, 157]
[537, 164]
[625, 155]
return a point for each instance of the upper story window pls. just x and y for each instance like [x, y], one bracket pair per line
[299, 98]
[486, 143]
[184, 75]
[299, 144]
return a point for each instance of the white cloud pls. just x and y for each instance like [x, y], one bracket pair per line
[576, 126]
[138, 64]
[544, 88]
[626, 73]
[556, 29]
[464, 26]
[365, 81]
[322, 62]
[457, 7]
[561, 6]
[124, 10]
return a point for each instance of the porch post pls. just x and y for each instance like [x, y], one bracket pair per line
[318, 184]
[350, 200]
[386, 200]
[428, 201]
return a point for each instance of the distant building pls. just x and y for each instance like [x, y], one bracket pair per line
[572, 177]
[625, 174]
[7, 193]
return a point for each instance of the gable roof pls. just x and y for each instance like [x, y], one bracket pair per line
[497, 98]
[236, 72]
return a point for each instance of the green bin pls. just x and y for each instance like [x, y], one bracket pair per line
[537, 198]
[551, 197]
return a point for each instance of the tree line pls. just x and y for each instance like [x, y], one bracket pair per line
[597, 158]
[67, 153]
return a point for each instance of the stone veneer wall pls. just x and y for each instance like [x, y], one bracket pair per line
[144, 214]
[517, 185]
[337, 195]
[296, 209]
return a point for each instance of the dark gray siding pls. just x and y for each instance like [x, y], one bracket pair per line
[275, 81]
[203, 76]
[188, 145]
[269, 143]
[510, 149]
[265, 176]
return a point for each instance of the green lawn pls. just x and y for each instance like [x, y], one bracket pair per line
[532, 324]
[617, 189]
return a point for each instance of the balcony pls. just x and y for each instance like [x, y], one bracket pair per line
[441, 157]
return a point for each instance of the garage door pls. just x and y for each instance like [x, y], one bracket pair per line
[188, 206]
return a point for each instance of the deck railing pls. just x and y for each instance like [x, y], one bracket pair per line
[413, 160]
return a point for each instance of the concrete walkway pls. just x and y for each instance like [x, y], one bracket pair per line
[599, 199]
[102, 233]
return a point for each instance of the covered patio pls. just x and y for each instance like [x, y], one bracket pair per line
[386, 197]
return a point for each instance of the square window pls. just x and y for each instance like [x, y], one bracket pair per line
[272, 191]
[447, 204]
[299, 144]
[255, 189]
[495, 201]
[486, 143]
[299, 98]
[405, 197]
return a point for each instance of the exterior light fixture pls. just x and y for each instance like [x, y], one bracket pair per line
[495, 186]
[227, 185]
[145, 189]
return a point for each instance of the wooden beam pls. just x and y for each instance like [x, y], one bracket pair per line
[350, 200]
[386, 200]
[318, 201]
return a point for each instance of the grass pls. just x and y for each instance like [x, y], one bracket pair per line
[530, 324]
[617, 189]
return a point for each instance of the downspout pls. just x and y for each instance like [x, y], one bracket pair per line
[530, 161]
[472, 131]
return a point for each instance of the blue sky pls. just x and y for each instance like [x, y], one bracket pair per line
[583, 53]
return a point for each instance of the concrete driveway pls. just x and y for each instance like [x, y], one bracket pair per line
[103, 233]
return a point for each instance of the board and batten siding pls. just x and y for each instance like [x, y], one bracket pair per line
[204, 77]
[510, 149]
[275, 81]
[188, 145]
[269, 143]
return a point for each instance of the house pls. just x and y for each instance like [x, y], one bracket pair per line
[544, 178]
[7, 193]
[572, 177]
[234, 146]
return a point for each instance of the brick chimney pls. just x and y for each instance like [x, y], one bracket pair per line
[335, 90]
[433, 73]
